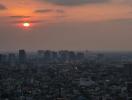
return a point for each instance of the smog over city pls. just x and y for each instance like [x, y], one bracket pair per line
[65, 49]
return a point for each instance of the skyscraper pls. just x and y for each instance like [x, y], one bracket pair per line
[22, 56]
[0, 58]
[3, 58]
[11, 58]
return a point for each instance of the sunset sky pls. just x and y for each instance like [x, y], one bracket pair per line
[104, 25]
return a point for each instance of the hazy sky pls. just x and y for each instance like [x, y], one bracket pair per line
[66, 24]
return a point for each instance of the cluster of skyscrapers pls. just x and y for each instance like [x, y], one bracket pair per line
[13, 58]
[66, 74]
[42, 56]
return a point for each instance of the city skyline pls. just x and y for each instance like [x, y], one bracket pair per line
[103, 25]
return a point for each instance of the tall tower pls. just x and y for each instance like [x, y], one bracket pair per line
[0, 58]
[22, 56]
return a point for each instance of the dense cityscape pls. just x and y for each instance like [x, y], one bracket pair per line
[65, 75]
[65, 49]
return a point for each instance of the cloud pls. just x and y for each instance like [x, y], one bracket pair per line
[121, 20]
[74, 2]
[2, 7]
[49, 10]
[37, 21]
[60, 11]
[43, 11]
[32, 21]
[20, 16]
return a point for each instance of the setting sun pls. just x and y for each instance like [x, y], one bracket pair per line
[26, 24]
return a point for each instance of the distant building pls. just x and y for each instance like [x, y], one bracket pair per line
[0, 58]
[80, 56]
[72, 56]
[3, 58]
[40, 55]
[63, 55]
[47, 56]
[22, 56]
[11, 58]
[54, 56]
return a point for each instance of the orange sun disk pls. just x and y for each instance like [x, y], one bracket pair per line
[26, 24]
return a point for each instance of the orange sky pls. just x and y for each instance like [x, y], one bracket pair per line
[112, 16]
[88, 12]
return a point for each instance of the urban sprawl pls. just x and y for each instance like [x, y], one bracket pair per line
[65, 75]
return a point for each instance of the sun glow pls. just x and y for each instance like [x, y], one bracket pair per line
[26, 24]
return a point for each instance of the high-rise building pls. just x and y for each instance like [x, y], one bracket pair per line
[54, 56]
[63, 55]
[0, 58]
[40, 55]
[80, 56]
[3, 58]
[47, 56]
[72, 56]
[11, 58]
[22, 56]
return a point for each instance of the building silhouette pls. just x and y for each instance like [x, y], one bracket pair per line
[3, 58]
[22, 56]
[0, 58]
[11, 58]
